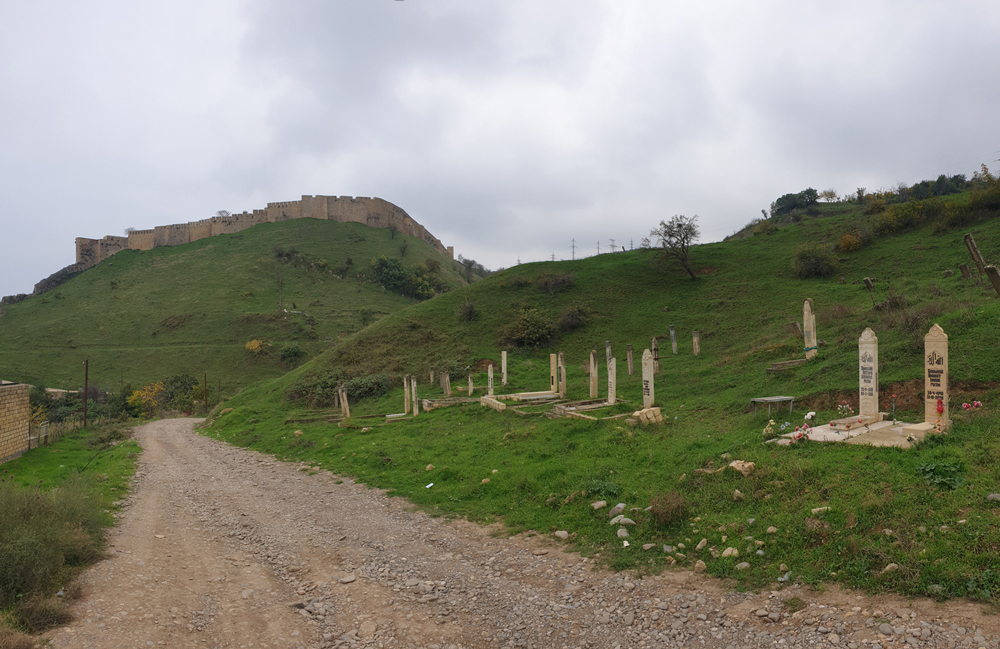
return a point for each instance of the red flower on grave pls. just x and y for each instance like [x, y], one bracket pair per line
[940, 406]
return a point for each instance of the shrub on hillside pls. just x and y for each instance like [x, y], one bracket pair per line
[528, 329]
[519, 281]
[850, 242]
[554, 282]
[320, 390]
[573, 317]
[813, 260]
[291, 354]
[467, 311]
[764, 227]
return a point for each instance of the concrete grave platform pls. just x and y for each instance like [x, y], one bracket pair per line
[882, 433]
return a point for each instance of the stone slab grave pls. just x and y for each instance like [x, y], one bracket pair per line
[882, 431]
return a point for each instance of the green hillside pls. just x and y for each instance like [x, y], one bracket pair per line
[923, 510]
[192, 308]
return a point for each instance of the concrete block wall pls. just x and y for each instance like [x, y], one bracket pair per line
[14, 413]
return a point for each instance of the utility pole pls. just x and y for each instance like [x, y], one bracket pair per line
[630, 245]
[598, 247]
[553, 256]
[86, 388]
[574, 248]
[612, 244]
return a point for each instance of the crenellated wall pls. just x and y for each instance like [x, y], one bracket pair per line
[373, 212]
[14, 413]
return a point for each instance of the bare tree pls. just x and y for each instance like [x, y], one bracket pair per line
[676, 237]
[223, 213]
[129, 230]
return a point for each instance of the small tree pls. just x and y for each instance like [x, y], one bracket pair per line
[676, 237]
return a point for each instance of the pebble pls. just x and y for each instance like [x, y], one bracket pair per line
[730, 552]
[993, 497]
[772, 530]
[617, 509]
[622, 533]
[347, 580]
[562, 534]
[598, 504]
[737, 495]
[648, 546]
[742, 565]
[700, 566]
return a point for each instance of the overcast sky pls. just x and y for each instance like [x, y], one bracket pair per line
[506, 128]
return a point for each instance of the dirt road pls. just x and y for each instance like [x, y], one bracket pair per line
[224, 547]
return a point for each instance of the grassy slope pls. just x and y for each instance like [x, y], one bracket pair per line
[184, 309]
[548, 471]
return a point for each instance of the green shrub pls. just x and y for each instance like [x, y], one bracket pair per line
[573, 317]
[850, 242]
[520, 281]
[764, 227]
[467, 312]
[367, 387]
[291, 354]
[554, 282]
[320, 390]
[667, 508]
[529, 329]
[813, 260]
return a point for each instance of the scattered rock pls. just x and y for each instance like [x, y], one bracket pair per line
[701, 544]
[617, 509]
[885, 629]
[614, 521]
[626, 521]
[648, 546]
[772, 530]
[622, 533]
[730, 552]
[347, 580]
[540, 552]
[699, 566]
[993, 497]
[820, 510]
[783, 568]
[668, 548]
[738, 496]
[367, 630]
[297, 433]
[761, 612]
[742, 566]
[429, 467]
[743, 467]
[484, 481]
[628, 585]
[562, 534]
[629, 618]
[890, 568]
[598, 504]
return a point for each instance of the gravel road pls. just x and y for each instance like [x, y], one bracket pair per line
[223, 547]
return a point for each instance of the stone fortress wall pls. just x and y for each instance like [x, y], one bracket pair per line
[373, 212]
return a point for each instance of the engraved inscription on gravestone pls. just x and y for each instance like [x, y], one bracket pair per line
[868, 376]
[936, 377]
[809, 327]
[503, 368]
[489, 380]
[612, 397]
[647, 379]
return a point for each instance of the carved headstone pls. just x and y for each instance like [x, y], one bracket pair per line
[447, 384]
[345, 407]
[628, 358]
[607, 351]
[489, 380]
[647, 379]
[868, 377]
[416, 404]
[654, 347]
[406, 394]
[612, 382]
[503, 368]
[696, 342]
[553, 371]
[809, 325]
[966, 273]
[593, 374]
[561, 369]
[471, 387]
[936, 376]
[673, 340]
[432, 377]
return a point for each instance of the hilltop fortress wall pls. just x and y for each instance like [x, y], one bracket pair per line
[373, 212]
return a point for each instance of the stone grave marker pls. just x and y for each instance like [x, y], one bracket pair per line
[654, 347]
[966, 273]
[416, 404]
[553, 371]
[628, 359]
[489, 380]
[696, 342]
[673, 340]
[809, 324]
[868, 377]
[345, 407]
[977, 257]
[994, 275]
[607, 351]
[406, 394]
[648, 372]
[593, 374]
[503, 368]
[561, 369]
[447, 384]
[612, 383]
[471, 387]
[432, 377]
[936, 376]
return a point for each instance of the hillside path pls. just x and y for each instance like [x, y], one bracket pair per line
[219, 546]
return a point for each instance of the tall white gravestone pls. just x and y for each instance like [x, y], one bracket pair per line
[654, 347]
[593, 374]
[561, 369]
[612, 383]
[648, 371]
[503, 368]
[868, 377]
[673, 340]
[553, 371]
[416, 404]
[489, 380]
[471, 387]
[696, 342]
[809, 328]
[406, 394]
[936, 376]
[628, 358]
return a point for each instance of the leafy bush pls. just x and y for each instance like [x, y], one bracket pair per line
[520, 281]
[789, 202]
[573, 317]
[667, 508]
[529, 329]
[291, 354]
[367, 387]
[320, 390]
[850, 242]
[942, 474]
[764, 227]
[813, 260]
[467, 312]
[415, 282]
[554, 282]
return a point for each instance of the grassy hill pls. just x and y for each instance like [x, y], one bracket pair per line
[887, 506]
[192, 308]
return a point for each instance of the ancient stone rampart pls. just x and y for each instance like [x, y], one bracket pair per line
[373, 212]
[14, 413]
